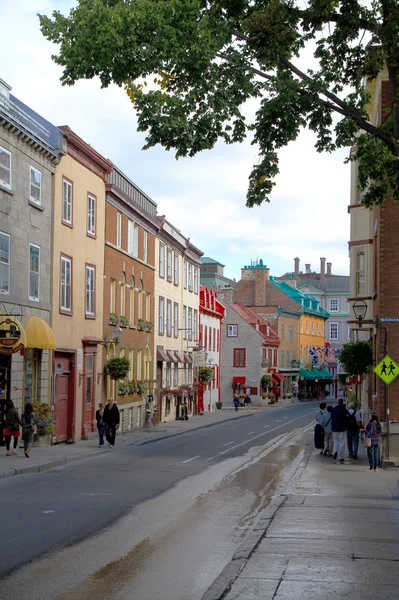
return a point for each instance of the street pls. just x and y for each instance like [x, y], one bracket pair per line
[154, 518]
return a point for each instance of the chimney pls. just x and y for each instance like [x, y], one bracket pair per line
[261, 278]
[322, 268]
[296, 262]
[329, 265]
[307, 267]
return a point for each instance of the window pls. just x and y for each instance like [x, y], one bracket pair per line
[282, 359]
[210, 338]
[34, 273]
[4, 263]
[145, 247]
[206, 338]
[139, 364]
[287, 358]
[119, 230]
[195, 280]
[240, 357]
[301, 326]
[282, 332]
[175, 374]
[91, 215]
[360, 285]
[32, 374]
[5, 168]
[176, 269]
[131, 306]
[175, 319]
[290, 333]
[274, 358]
[184, 322]
[322, 329]
[132, 238]
[161, 315]
[139, 305]
[67, 200]
[195, 325]
[168, 374]
[218, 341]
[185, 274]
[169, 318]
[312, 328]
[122, 287]
[190, 277]
[349, 333]
[112, 296]
[333, 331]
[232, 330]
[66, 284]
[307, 326]
[131, 366]
[333, 304]
[148, 307]
[169, 265]
[161, 259]
[190, 323]
[91, 290]
[214, 340]
[35, 186]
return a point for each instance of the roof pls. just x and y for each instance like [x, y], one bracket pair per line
[336, 283]
[305, 302]
[210, 261]
[262, 326]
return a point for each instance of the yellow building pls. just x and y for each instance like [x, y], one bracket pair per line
[78, 269]
[311, 335]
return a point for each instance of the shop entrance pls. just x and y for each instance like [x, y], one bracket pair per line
[5, 385]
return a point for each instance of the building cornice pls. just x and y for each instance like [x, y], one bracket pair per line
[86, 155]
[128, 207]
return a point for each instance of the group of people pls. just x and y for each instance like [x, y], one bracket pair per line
[108, 420]
[337, 427]
[236, 402]
[12, 428]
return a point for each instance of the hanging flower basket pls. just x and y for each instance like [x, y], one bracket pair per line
[356, 358]
[117, 367]
[205, 374]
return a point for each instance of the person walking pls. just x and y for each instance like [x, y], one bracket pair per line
[28, 427]
[111, 420]
[247, 402]
[354, 424]
[236, 402]
[373, 431]
[318, 430]
[338, 427]
[100, 425]
[11, 428]
[328, 436]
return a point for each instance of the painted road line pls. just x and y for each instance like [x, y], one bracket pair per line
[264, 433]
[278, 420]
[47, 512]
[250, 433]
[210, 458]
[265, 426]
[228, 443]
[189, 459]
[285, 418]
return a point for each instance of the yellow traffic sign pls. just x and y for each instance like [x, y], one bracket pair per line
[387, 370]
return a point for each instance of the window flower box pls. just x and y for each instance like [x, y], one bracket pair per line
[148, 326]
[141, 325]
[113, 319]
[123, 321]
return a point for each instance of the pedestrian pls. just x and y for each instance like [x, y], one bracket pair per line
[28, 427]
[328, 436]
[339, 426]
[111, 419]
[236, 402]
[247, 402]
[373, 431]
[318, 430]
[354, 424]
[11, 427]
[100, 425]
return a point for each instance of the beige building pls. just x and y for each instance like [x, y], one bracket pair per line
[77, 304]
[176, 321]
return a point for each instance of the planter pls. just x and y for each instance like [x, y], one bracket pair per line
[219, 405]
[41, 441]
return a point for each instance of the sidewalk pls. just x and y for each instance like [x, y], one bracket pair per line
[61, 454]
[332, 531]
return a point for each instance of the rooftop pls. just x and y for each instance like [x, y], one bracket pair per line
[306, 302]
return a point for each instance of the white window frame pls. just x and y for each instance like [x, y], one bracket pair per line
[91, 214]
[175, 374]
[34, 273]
[145, 247]
[176, 268]
[169, 318]
[195, 324]
[92, 291]
[39, 187]
[3, 182]
[333, 339]
[360, 274]
[169, 273]
[307, 327]
[176, 319]
[63, 295]
[168, 374]
[161, 316]
[161, 259]
[135, 240]
[119, 230]
[185, 322]
[335, 300]
[312, 327]
[290, 333]
[185, 274]
[231, 329]
[67, 202]
[195, 280]
[190, 323]
[6, 265]
[190, 277]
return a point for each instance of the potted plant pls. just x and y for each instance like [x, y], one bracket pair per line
[113, 319]
[45, 426]
[219, 405]
[140, 387]
[131, 387]
[205, 375]
[148, 326]
[265, 380]
[141, 325]
[122, 388]
[123, 321]
[117, 367]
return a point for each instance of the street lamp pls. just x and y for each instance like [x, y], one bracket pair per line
[360, 310]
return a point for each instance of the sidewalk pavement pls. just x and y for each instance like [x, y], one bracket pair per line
[331, 531]
[42, 459]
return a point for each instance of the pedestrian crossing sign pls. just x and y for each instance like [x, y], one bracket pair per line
[387, 370]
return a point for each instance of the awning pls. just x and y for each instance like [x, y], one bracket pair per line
[314, 374]
[162, 356]
[306, 375]
[179, 355]
[278, 378]
[238, 380]
[323, 374]
[172, 357]
[39, 334]
[188, 358]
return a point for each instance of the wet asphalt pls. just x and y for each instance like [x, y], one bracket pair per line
[43, 512]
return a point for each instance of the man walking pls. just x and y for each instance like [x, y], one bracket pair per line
[111, 421]
[339, 427]
[354, 424]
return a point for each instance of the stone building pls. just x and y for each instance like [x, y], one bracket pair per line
[30, 149]
[212, 274]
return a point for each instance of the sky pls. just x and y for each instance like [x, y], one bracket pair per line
[203, 196]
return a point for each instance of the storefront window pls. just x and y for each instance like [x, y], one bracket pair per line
[32, 375]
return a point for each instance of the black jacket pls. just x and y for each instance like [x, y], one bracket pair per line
[339, 418]
[99, 418]
[111, 416]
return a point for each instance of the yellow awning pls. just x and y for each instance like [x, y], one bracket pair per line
[39, 334]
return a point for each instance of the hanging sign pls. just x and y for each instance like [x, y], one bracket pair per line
[12, 335]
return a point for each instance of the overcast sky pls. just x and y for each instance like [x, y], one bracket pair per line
[203, 196]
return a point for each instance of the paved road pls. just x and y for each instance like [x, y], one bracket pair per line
[46, 511]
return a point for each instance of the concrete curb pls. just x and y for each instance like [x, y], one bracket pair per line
[64, 460]
[224, 582]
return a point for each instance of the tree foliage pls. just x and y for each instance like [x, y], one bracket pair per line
[189, 67]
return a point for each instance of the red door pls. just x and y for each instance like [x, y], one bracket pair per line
[63, 397]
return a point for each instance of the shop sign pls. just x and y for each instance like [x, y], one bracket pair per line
[10, 335]
[79, 359]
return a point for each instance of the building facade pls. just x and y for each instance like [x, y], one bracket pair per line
[77, 280]
[212, 274]
[176, 319]
[30, 148]
[129, 275]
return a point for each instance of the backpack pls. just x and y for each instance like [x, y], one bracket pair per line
[351, 422]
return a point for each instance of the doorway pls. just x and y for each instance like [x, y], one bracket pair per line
[5, 386]
[64, 396]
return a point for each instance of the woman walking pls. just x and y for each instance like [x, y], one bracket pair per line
[373, 431]
[28, 428]
[11, 428]
[100, 425]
